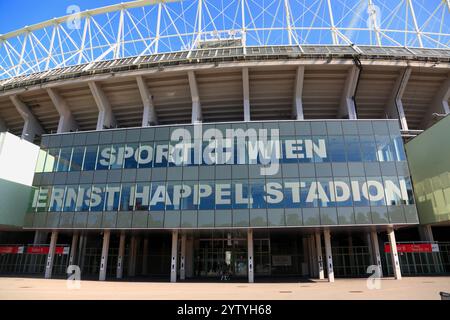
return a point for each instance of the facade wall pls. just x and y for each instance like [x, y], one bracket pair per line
[283, 174]
[429, 160]
[17, 166]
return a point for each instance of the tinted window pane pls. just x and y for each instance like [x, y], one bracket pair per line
[142, 196]
[90, 158]
[368, 148]
[104, 157]
[64, 160]
[126, 197]
[353, 149]
[336, 148]
[112, 197]
[77, 159]
[97, 202]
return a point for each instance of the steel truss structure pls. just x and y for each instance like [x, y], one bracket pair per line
[148, 27]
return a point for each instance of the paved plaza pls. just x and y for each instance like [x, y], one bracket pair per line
[343, 289]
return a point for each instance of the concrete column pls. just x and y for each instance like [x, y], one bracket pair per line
[31, 126]
[370, 248]
[352, 256]
[394, 108]
[312, 249]
[319, 255]
[251, 275]
[306, 256]
[246, 92]
[73, 249]
[327, 237]
[376, 250]
[132, 257]
[120, 255]
[394, 254]
[347, 107]
[298, 94]
[145, 256]
[426, 233]
[104, 257]
[183, 258]
[67, 122]
[439, 104]
[149, 115]
[196, 106]
[173, 259]
[189, 260]
[106, 117]
[51, 255]
[82, 251]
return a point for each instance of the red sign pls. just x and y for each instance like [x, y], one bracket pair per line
[411, 247]
[45, 250]
[11, 249]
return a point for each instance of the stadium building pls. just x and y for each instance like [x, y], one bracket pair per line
[203, 140]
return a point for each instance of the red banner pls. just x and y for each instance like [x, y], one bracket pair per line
[11, 249]
[46, 249]
[413, 247]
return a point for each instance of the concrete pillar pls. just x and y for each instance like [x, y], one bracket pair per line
[394, 107]
[196, 106]
[67, 122]
[51, 255]
[246, 92]
[352, 256]
[120, 256]
[394, 254]
[426, 233]
[104, 257]
[189, 260]
[369, 245]
[319, 255]
[106, 117]
[376, 250]
[149, 115]
[306, 257]
[312, 249]
[298, 94]
[145, 256]
[347, 107]
[173, 259]
[250, 261]
[183, 258]
[82, 251]
[327, 238]
[73, 249]
[31, 126]
[132, 257]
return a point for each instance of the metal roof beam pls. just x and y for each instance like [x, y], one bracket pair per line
[347, 107]
[149, 117]
[31, 127]
[67, 122]
[106, 119]
[246, 94]
[196, 105]
[439, 104]
[297, 108]
[394, 107]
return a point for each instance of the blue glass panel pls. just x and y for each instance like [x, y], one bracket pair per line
[64, 160]
[336, 148]
[97, 198]
[257, 191]
[90, 158]
[104, 157]
[368, 148]
[353, 149]
[112, 198]
[77, 159]
[126, 197]
[158, 196]
[206, 195]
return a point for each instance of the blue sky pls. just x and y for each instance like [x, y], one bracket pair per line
[15, 14]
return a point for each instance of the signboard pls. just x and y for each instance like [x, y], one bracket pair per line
[11, 249]
[282, 261]
[46, 249]
[413, 247]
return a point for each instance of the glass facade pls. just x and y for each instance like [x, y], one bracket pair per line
[259, 174]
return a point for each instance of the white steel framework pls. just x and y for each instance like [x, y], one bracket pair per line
[139, 28]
